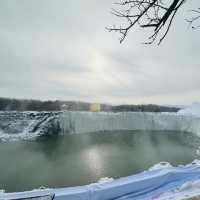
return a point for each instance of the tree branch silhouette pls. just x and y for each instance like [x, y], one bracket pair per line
[193, 21]
[157, 15]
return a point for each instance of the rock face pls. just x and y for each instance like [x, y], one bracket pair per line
[28, 125]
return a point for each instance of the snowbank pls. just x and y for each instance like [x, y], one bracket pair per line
[189, 190]
[157, 184]
[193, 109]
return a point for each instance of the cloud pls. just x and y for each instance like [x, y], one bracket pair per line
[61, 50]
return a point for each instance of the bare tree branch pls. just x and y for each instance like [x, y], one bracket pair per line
[157, 15]
[195, 19]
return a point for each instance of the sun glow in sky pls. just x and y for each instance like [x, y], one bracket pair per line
[61, 50]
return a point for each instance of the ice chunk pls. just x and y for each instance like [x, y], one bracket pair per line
[105, 180]
[160, 165]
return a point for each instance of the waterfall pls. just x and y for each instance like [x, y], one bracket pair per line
[28, 125]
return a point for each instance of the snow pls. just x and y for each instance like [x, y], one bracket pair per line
[25, 125]
[161, 165]
[175, 183]
[188, 190]
[105, 180]
[193, 109]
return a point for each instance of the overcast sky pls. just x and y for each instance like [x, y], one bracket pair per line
[59, 49]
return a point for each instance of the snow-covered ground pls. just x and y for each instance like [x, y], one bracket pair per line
[27, 125]
[193, 110]
[161, 182]
[189, 190]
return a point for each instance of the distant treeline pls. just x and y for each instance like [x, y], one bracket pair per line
[7, 104]
[144, 108]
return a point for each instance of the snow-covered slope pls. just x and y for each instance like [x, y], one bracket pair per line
[27, 125]
[193, 109]
[187, 191]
